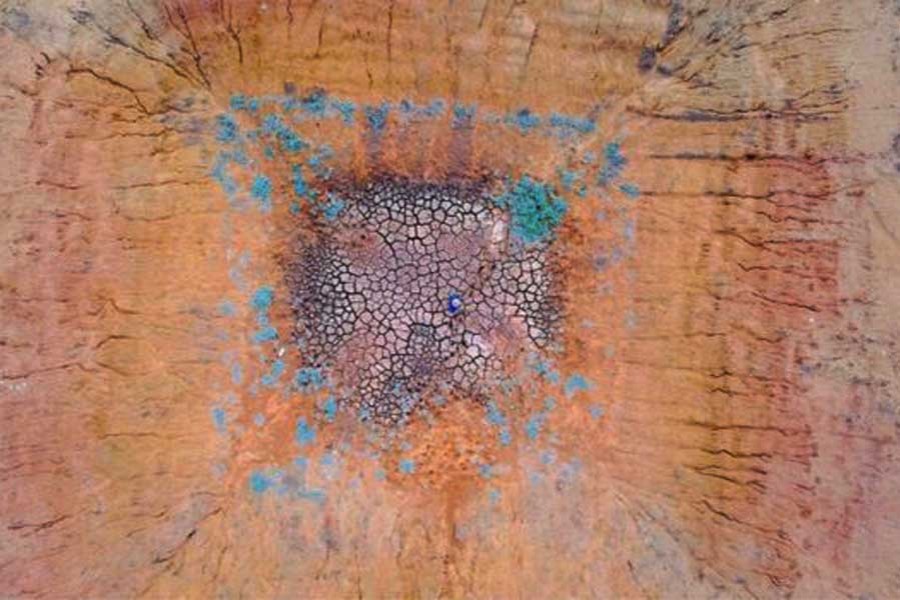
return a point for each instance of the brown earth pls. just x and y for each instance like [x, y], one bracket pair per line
[744, 350]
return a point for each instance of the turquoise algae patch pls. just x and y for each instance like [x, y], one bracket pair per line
[524, 120]
[535, 208]
[260, 303]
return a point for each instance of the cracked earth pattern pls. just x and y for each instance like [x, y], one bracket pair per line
[373, 288]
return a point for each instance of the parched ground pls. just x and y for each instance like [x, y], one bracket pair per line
[629, 328]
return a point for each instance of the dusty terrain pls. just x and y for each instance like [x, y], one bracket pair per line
[716, 412]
